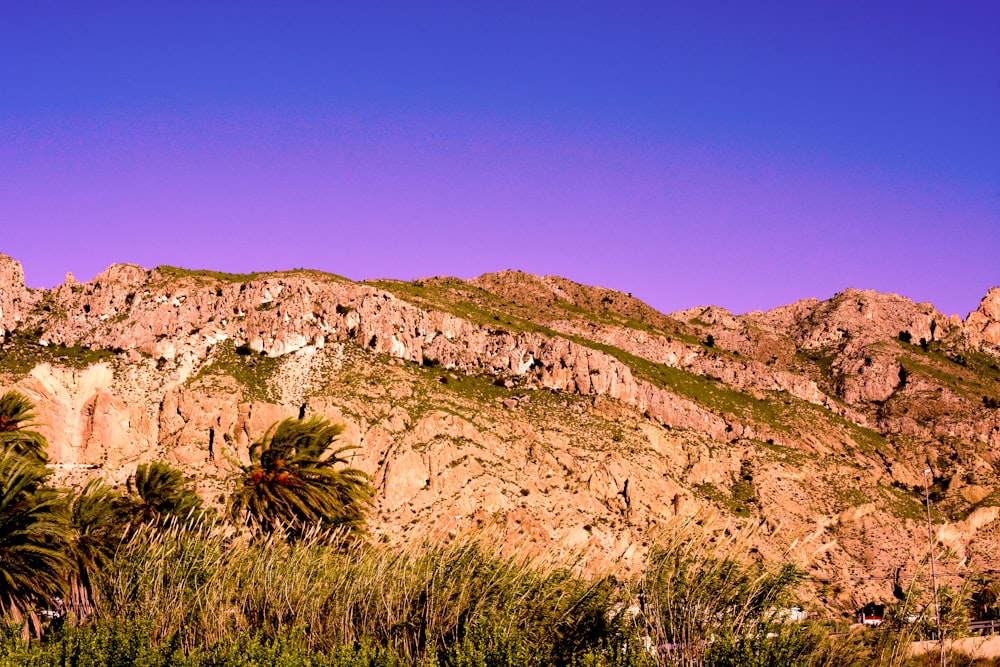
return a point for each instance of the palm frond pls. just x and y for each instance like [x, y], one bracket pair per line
[16, 427]
[159, 490]
[34, 531]
[98, 516]
[293, 482]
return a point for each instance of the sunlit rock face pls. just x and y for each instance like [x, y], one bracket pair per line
[15, 299]
[983, 324]
[568, 417]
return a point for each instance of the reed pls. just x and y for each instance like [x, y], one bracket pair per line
[198, 591]
[201, 583]
[707, 600]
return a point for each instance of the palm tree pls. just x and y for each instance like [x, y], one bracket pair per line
[16, 434]
[34, 531]
[158, 490]
[295, 481]
[98, 516]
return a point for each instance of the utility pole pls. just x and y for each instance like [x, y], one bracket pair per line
[930, 541]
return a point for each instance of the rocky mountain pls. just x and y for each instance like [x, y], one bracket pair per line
[574, 418]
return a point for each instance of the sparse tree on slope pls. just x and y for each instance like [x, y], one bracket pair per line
[985, 598]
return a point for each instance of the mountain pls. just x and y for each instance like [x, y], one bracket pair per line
[574, 418]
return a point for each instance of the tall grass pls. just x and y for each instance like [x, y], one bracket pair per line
[707, 601]
[201, 583]
[199, 592]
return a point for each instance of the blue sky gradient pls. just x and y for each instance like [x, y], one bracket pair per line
[741, 154]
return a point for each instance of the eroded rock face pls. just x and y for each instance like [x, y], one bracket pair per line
[855, 318]
[15, 299]
[737, 372]
[181, 320]
[983, 324]
[874, 377]
[537, 292]
[593, 429]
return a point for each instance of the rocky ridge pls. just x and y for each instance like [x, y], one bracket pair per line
[576, 417]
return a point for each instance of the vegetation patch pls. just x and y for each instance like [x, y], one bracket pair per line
[992, 500]
[906, 505]
[782, 454]
[486, 309]
[477, 305]
[254, 372]
[951, 376]
[740, 501]
[204, 276]
[847, 495]
[21, 351]
[822, 359]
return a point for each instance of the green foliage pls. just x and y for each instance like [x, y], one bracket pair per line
[984, 597]
[913, 618]
[742, 499]
[129, 643]
[296, 480]
[16, 434]
[744, 490]
[904, 505]
[21, 352]
[954, 610]
[33, 535]
[98, 517]
[198, 583]
[203, 275]
[480, 306]
[251, 370]
[983, 364]
[199, 593]
[972, 375]
[772, 646]
[158, 491]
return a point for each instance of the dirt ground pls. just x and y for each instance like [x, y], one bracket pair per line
[975, 647]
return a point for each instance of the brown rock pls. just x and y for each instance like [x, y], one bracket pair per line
[983, 324]
[594, 422]
[15, 299]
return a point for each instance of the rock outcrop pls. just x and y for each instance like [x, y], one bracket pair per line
[573, 417]
[983, 324]
[15, 300]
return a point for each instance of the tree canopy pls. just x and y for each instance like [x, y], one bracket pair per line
[296, 479]
[16, 432]
[34, 533]
[158, 490]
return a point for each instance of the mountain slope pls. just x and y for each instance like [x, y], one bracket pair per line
[575, 417]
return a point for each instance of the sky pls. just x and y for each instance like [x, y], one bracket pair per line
[741, 154]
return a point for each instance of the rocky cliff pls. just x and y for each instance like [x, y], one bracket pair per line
[576, 418]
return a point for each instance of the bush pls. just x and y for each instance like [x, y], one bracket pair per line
[130, 644]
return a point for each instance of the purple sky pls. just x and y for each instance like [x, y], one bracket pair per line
[740, 154]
